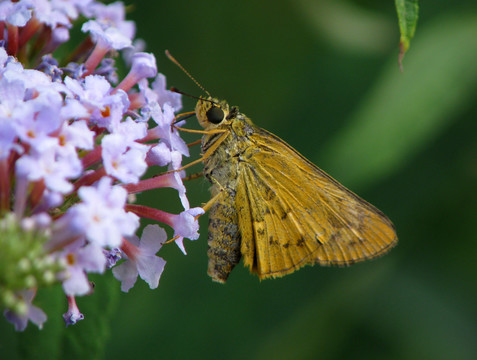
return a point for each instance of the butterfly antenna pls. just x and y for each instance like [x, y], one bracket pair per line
[173, 59]
[176, 90]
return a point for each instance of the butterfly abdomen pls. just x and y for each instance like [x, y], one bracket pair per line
[221, 169]
[224, 239]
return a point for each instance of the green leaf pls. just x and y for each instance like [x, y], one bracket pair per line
[407, 11]
[406, 111]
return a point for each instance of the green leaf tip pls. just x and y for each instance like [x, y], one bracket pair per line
[407, 11]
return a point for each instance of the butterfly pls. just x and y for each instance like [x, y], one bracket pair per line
[274, 208]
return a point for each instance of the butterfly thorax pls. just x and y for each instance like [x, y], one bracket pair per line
[222, 165]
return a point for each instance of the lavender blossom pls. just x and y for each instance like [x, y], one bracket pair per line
[141, 259]
[74, 145]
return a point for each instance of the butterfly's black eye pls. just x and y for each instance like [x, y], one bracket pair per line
[215, 115]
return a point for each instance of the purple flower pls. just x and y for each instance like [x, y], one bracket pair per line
[73, 315]
[163, 130]
[161, 155]
[80, 259]
[112, 257]
[108, 36]
[29, 313]
[16, 14]
[142, 259]
[143, 66]
[50, 199]
[113, 15]
[129, 130]
[76, 135]
[7, 137]
[49, 66]
[122, 160]
[95, 94]
[101, 216]
[107, 69]
[36, 123]
[185, 225]
[50, 15]
[12, 93]
[138, 45]
[165, 96]
[53, 166]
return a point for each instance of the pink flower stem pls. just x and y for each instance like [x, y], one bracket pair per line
[21, 188]
[90, 178]
[37, 193]
[2, 29]
[30, 29]
[12, 45]
[129, 249]
[92, 157]
[127, 83]
[4, 185]
[151, 213]
[149, 184]
[95, 58]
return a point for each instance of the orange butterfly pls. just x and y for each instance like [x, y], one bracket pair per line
[276, 209]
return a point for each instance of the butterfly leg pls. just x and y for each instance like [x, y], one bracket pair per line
[193, 176]
[209, 151]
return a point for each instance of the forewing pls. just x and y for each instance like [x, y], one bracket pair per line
[292, 214]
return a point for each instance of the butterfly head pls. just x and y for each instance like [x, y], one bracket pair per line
[212, 113]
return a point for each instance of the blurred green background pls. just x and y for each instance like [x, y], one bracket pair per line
[322, 75]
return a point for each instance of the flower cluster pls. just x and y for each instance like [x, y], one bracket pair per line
[75, 143]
